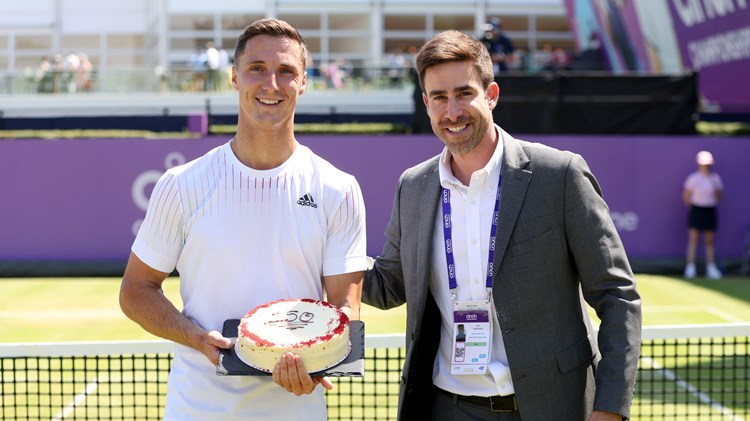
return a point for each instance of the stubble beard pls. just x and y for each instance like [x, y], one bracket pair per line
[479, 126]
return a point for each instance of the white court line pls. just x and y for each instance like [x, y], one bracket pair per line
[708, 309]
[702, 397]
[723, 314]
[79, 399]
[670, 309]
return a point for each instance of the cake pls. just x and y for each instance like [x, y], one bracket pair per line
[315, 330]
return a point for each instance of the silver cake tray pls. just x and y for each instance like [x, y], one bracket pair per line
[352, 366]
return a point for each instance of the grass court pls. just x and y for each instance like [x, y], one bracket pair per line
[671, 381]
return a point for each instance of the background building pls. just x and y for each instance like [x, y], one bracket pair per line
[165, 34]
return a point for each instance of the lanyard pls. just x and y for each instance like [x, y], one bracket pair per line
[448, 239]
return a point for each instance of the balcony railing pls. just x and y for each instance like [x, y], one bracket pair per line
[188, 80]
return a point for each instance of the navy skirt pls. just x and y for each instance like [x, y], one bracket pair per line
[702, 218]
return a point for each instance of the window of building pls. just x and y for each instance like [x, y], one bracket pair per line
[301, 22]
[349, 21]
[130, 42]
[189, 44]
[552, 24]
[565, 44]
[313, 45]
[228, 43]
[459, 23]
[349, 45]
[180, 22]
[405, 45]
[513, 23]
[34, 42]
[80, 42]
[125, 61]
[24, 62]
[238, 23]
[404, 23]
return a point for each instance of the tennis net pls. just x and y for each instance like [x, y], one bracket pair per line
[695, 372]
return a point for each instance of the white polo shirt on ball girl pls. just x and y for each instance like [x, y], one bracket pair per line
[239, 238]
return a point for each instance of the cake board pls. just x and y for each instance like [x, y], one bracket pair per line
[352, 366]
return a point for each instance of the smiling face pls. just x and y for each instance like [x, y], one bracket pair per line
[460, 109]
[269, 77]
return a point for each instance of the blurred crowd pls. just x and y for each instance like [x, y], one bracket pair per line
[209, 67]
[506, 57]
[63, 73]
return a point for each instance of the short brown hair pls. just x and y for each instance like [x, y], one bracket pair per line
[271, 27]
[450, 46]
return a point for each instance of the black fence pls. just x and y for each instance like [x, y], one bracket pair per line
[591, 103]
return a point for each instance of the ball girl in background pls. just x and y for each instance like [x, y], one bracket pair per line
[702, 193]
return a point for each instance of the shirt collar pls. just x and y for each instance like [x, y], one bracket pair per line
[491, 171]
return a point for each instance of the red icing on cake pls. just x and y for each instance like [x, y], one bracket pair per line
[316, 330]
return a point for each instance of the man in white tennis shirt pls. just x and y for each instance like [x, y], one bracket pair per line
[257, 219]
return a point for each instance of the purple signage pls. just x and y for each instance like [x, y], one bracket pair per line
[470, 316]
[83, 200]
[711, 37]
[714, 38]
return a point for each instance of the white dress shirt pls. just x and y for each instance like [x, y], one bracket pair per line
[471, 215]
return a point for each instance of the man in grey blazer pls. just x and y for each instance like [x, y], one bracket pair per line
[511, 235]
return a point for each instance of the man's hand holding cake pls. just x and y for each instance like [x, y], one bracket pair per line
[290, 371]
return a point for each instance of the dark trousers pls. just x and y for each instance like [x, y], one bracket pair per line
[447, 408]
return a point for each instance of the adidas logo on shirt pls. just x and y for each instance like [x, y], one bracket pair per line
[307, 200]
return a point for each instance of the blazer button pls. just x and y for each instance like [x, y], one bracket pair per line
[509, 330]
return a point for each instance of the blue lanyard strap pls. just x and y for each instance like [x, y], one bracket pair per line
[448, 237]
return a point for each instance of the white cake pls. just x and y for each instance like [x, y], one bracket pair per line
[315, 330]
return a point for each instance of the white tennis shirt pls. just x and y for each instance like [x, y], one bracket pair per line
[239, 238]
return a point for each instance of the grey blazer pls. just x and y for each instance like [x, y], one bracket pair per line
[555, 242]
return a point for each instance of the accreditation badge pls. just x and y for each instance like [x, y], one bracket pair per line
[472, 337]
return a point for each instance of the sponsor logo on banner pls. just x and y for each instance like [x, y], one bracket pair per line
[140, 191]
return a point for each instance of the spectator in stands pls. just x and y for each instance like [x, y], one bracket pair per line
[71, 65]
[58, 73]
[557, 59]
[334, 74]
[543, 58]
[590, 57]
[397, 68]
[520, 62]
[84, 82]
[43, 76]
[234, 252]
[516, 257]
[198, 64]
[225, 71]
[499, 45]
[702, 193]
[213, 67]
[560, 59]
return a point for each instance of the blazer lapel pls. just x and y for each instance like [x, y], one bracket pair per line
[515, 183]
[430, 200]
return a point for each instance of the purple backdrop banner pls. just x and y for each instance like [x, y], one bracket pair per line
[82, 200]
[670, 36]
[714, 37]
